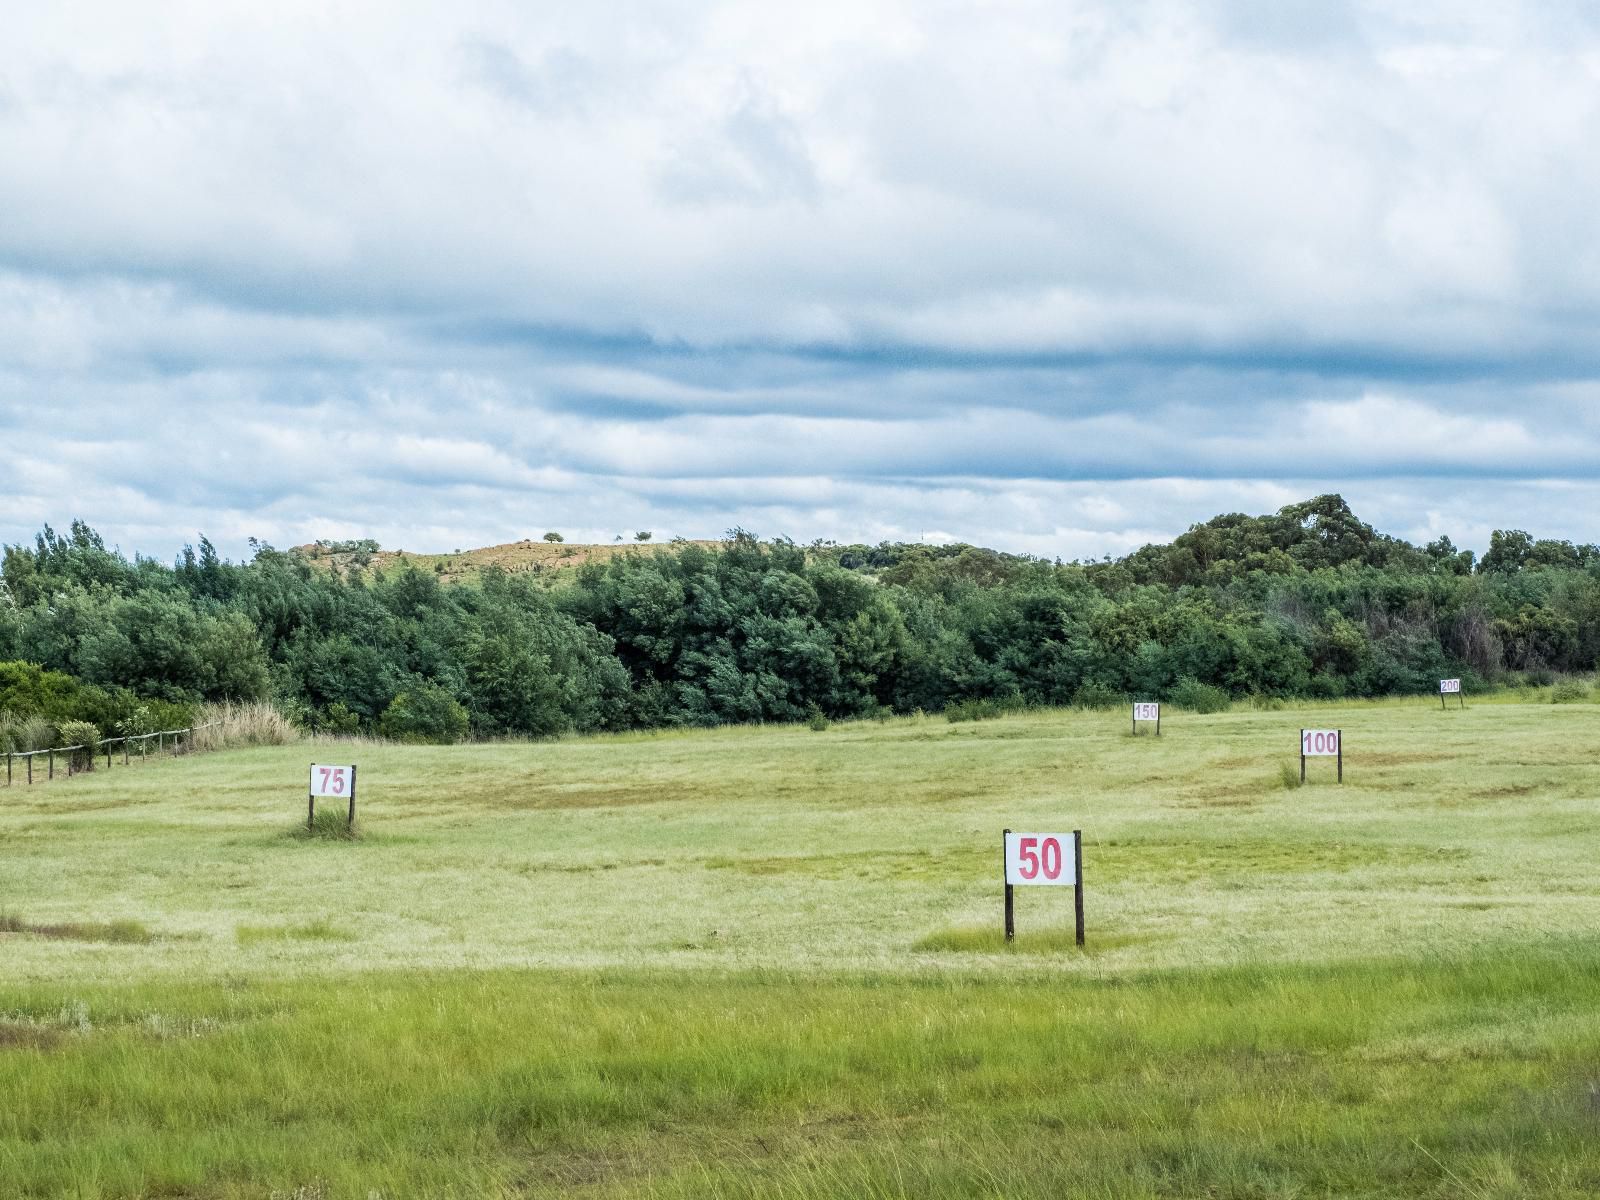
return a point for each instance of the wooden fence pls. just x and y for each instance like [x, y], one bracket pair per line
[182, 741]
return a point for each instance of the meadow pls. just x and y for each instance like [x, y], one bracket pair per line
[767, 962]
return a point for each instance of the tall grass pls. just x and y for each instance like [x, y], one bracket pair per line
[235, 725]
[18, 735]
[1448, 1077]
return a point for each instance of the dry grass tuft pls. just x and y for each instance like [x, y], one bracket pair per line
[253, 723]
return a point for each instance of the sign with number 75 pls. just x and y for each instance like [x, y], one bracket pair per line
[336, 781]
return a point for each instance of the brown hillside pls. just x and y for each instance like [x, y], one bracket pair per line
[527, 555]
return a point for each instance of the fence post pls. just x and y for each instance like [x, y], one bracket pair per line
[52, 755]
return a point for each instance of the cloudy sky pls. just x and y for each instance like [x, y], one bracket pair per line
[1054, 277]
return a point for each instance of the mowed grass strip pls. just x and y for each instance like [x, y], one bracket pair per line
[1451, 1077]
[845, 849]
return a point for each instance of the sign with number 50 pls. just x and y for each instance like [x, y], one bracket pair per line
[1040, 859]
[1044, 860]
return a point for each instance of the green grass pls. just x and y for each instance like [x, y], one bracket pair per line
[767, 962]
[320, 930]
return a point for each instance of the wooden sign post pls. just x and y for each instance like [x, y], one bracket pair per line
[1450, 687]
[1038, 860]
[1146, 711]
[331, 781]
[1321, 743]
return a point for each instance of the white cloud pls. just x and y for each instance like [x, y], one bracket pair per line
[1005, 270]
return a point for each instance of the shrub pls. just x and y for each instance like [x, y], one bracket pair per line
[137, 723]
[1289, 775]
[424, 713]
[79, 733]
[1570, 692]
[1098, 696]
[1266, 703]
[816, 719]
[968, 710]
[981, 709]
[1196, 697]
[338, 719]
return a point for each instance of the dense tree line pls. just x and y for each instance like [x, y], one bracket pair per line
[1309, 601]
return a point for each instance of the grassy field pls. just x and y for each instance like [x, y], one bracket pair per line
[767, 962]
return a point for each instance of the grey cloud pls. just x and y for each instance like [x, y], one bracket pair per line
[558, 83]
[756, 155]
[1019, 273]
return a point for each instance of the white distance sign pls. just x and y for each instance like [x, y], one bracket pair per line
[1449, 687]
[1147, 712]
[1319, 743]
[1040, 859]
[334, 781]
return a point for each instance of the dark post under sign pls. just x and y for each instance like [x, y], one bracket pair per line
[1077, 874]
[1011, 917]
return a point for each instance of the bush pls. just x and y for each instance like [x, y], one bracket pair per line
[137, 723]
[1098, 697]
[1196, 697]
[982, 709]
[424, 713]
[1570, 692]
[1289, 775]
[816, 720]
[79, 733]
[339, 720]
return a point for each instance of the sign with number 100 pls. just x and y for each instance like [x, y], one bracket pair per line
[1040, 859]
[331, 781]
[1319, 743]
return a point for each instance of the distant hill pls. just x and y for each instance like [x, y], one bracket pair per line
[512, 557]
